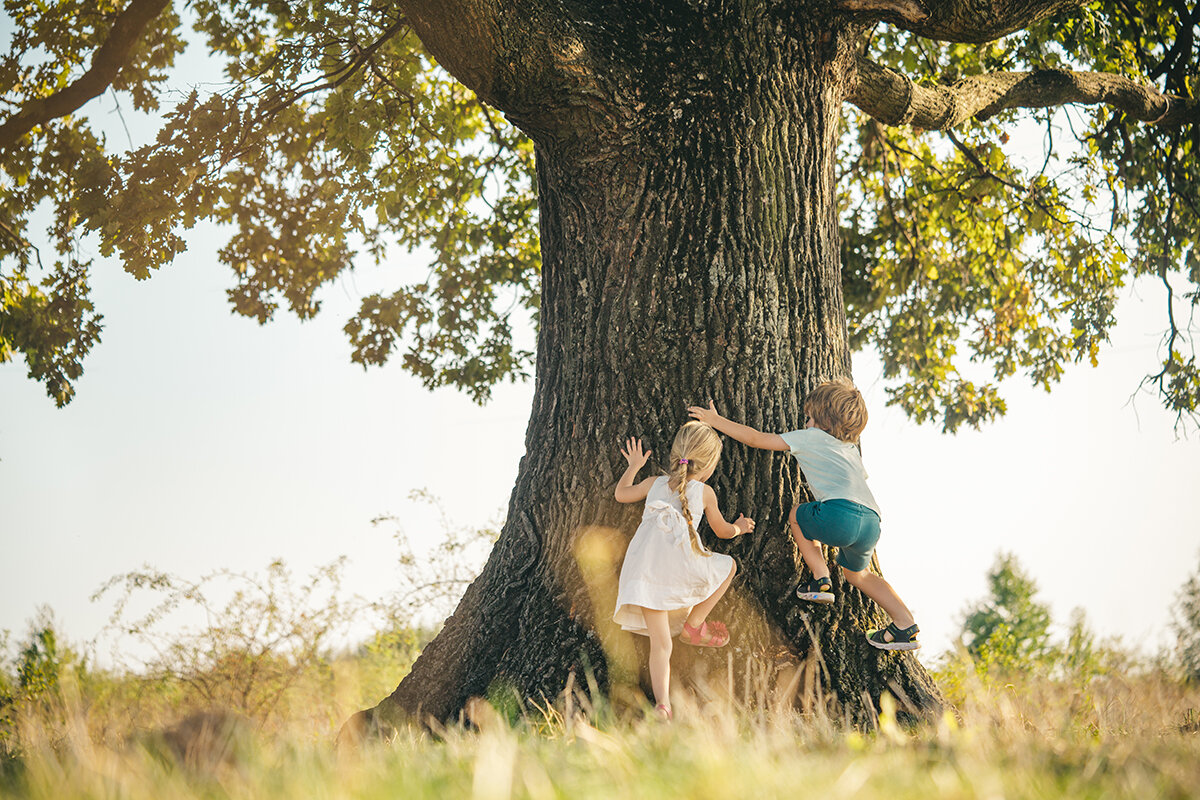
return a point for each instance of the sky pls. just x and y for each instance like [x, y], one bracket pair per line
[199, 440]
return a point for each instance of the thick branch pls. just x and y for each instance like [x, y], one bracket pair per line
[519, 56]
[127, 29]
[958, 20]
[464, 36]
[894, 99]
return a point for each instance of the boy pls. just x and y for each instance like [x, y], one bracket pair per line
[844, 514]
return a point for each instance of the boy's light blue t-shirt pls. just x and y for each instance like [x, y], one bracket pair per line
[833, 468]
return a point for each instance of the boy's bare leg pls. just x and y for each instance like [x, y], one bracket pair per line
[879, 590]
[699, 612]
[810, 551]
[660, 655]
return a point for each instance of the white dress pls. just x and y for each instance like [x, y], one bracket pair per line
[661, 570]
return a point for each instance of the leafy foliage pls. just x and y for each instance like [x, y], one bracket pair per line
[45, 310]
[33, 678]
[953, 250]
[334, 138]
[40, 664]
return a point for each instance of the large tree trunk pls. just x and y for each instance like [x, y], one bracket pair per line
[690, 252]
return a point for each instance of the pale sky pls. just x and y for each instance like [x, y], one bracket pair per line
[199, 440]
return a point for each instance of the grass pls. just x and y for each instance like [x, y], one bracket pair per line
[1025, 737]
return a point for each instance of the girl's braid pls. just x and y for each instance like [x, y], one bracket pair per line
[694, 452]
[680, 470]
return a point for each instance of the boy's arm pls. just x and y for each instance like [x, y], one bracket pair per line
[743, 433]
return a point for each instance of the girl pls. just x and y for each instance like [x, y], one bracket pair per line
[670, 580]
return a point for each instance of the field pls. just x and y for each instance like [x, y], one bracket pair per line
[1026, 735]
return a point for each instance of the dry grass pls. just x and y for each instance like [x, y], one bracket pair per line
[1109, 737]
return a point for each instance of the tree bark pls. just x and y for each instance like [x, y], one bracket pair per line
[690, 252]
[958, 20]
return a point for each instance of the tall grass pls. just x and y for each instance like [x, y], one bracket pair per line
[250, 705]
[1025, 736]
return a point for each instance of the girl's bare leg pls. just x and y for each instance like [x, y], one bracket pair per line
[660, 655]
[879, 590]
[810, 551]
[699, 612]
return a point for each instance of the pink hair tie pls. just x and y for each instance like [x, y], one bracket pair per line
[683, 461]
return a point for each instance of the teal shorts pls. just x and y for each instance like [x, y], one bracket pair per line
[849, 526]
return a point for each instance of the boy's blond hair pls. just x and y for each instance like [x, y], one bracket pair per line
[838, 409]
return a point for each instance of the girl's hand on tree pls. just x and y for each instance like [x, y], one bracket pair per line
[633, 453]
[708, 416]
[743, 524]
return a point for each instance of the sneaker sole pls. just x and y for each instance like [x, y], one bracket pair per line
[894, 645]
[824, 598]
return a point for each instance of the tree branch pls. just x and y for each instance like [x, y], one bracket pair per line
[336, 77]
[464, 36]
[957, 20]
[107, 62]
[894, 99]
[21, 241]
[519, 56]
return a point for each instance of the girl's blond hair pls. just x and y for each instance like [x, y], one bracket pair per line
[696, 448]
[838, 409]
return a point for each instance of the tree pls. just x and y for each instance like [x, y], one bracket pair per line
[1186, 624]
[1009, 628]
[730, 196]
[40, 668]
[34, 675]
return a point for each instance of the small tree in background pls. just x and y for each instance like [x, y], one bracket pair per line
[35, 674]
[1008, 629]
[39, 665]
[42, 664]
[1081, 655]
[1186, 624]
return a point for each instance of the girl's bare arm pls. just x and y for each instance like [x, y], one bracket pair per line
[626, 491]
[716, 521]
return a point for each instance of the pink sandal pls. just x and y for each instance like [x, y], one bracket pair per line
[709, 634]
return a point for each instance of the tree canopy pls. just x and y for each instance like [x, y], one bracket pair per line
[334, 139]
